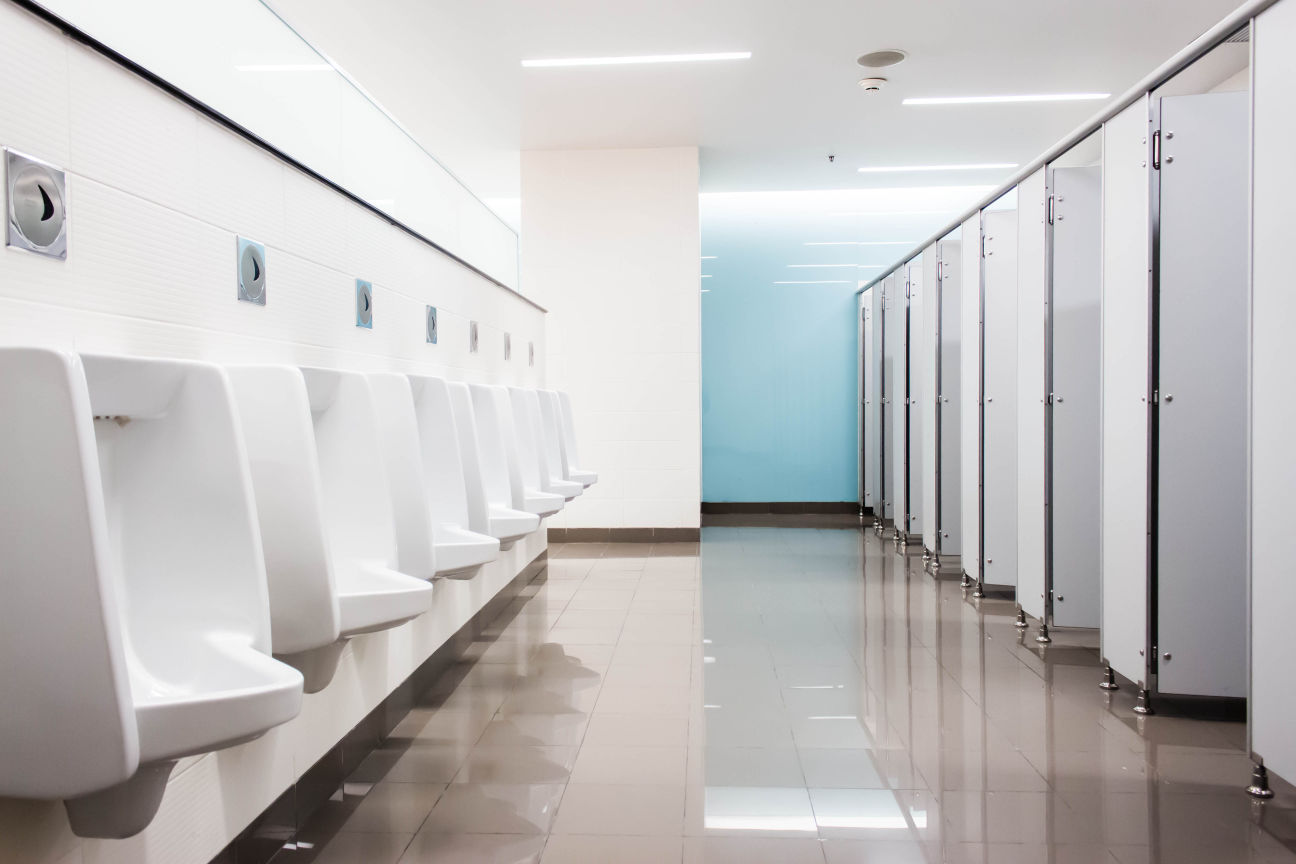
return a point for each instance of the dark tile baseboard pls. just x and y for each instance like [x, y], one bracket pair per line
[279, 823]
[624, 535]
[780, 507]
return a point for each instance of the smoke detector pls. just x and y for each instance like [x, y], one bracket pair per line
[872, 85]
[882, 59]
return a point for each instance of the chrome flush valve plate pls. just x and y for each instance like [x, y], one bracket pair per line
[364, 304]
[37, 209]
[251, 272]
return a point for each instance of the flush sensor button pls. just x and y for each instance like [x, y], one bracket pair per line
[251, 272]
[37, 206]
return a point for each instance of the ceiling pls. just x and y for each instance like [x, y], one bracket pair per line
[450, 72]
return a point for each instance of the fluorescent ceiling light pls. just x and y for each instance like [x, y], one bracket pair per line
[285, 67]
[709, 257]
[870, 266]
[1020, 97]
[818, 282]
[635, 60]
[821, 265]
[976, 166]
[706, 275]
[864, 243]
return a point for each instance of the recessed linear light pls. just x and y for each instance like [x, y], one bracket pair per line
[895, 169]
[818, 282]
[285, 67]
[1019, 97]
[821, 265]
[635, 60]
[864, 243]
[870, 266]
[709, 257]
[706, 275]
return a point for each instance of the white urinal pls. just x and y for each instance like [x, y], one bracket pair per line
[572, 469]
[541, 464]
[486, 472]
[455, 504]
[398, 442]
[372, 594]
[325, 520]
[495, 416]
[134, 587]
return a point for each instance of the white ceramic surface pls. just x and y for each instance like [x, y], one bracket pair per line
[460, 551]
[134, 480]
[542, 457]
[486, 472]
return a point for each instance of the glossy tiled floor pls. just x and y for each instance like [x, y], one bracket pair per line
[786, 695]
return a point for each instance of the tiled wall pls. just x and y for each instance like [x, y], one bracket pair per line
[156, 196]
[610, 243]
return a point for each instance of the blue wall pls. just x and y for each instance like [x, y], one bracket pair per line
[778, 387]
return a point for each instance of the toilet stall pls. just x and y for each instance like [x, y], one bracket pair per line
[894, 312]
[968, 264]
[942, 528]
[869, 385]
[999, 388]
[1175, 371]
[916, 358]
[1072, 357]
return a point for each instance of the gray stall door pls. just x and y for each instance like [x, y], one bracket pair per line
[888, 400]
[1202, 350]
[1000, 415]
[868, 410]
[1076, 343]
[951, 362]
[913, 452]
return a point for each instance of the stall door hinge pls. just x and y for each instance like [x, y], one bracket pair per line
[1050, 210]
[1156, 150]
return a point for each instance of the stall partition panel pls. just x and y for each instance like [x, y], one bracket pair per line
[950, 398]
[970, 396]
[868, 408]
[876, 426]
[1032, 310]
[1000, 409]
[1273, 591]
[1127, 259]
[914, 437]
[931, 350]
[893, 311]
[1202, 349]
[1075, 342]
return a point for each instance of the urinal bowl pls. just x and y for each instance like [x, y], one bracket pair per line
[509, 526]
[541, 503]
[233, 693]
[460, 553]
[173, 472]
[373, 597]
